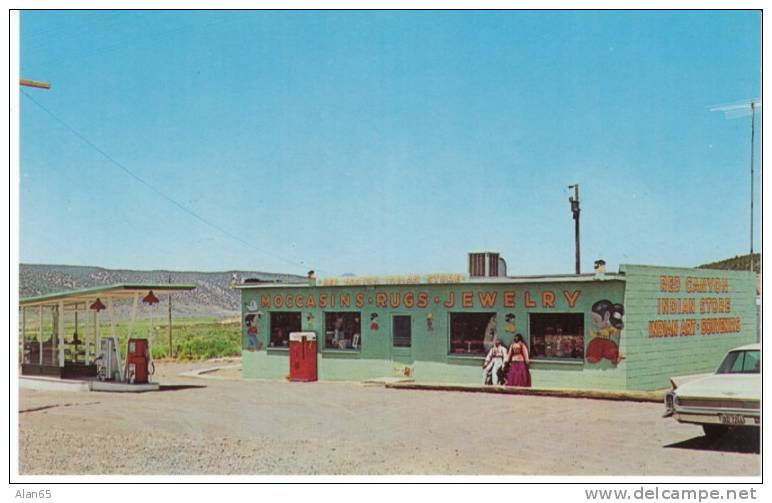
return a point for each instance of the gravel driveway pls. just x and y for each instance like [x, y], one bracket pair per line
[229, 426]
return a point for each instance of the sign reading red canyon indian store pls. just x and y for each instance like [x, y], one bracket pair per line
[419, 299]
[699, 305]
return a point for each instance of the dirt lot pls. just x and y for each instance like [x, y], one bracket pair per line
[228, 426]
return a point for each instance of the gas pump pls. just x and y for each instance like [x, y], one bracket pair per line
[139, 364]
[302, 356]
[108, 361]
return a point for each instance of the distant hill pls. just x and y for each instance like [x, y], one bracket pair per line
[737, 263]
[212, 296]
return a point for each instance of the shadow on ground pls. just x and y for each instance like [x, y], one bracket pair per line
[44, 407]
[178, 387]
[741, 441]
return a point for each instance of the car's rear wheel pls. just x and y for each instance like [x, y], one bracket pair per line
[714, 430]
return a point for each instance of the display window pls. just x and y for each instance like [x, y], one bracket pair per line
[282, 324]
[342, 330]
[472, 333]
[557, 336]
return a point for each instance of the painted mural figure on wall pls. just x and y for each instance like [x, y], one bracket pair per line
[429, 322]
[310, 321]
[374, 322]
[250, 320]
[606, 324]
[509, 326]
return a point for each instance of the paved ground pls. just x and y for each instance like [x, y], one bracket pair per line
[220, 426]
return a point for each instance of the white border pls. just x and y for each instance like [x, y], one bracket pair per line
[361, 493]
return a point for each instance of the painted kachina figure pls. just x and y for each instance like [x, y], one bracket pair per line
[509, 325]
[253, 344]
[310, 321]
[606, 324]
[429, 322]
[374, 322]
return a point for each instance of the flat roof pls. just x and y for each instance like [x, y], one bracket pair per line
[118, 291]
[755, 346]
[439, 279]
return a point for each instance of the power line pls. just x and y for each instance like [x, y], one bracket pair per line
[156, 190]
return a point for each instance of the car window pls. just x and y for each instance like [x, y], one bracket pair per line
[737, 366]
[741, 362]
[752, 362]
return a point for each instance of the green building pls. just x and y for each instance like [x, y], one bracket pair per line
[633, 329]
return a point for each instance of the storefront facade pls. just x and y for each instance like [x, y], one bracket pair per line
[628, 330]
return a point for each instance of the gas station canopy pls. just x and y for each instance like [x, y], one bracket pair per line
[118, 291]
[57, 353]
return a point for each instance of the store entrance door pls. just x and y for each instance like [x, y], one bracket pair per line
[402, 339]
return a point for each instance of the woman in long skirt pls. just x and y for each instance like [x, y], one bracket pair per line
[518, 366]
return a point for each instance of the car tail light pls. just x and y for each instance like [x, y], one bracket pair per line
[670, 400]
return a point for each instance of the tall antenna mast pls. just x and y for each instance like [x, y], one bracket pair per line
[739, 110]
[753, 135]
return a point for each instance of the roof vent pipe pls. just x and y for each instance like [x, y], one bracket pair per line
[502, 267]
[600, 268]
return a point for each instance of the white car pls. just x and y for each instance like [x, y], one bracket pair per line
[730, 397]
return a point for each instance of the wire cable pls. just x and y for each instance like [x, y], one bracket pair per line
[158, 191]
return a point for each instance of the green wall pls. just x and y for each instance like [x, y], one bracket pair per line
[649, 360]
[652, 360]
[428, 357]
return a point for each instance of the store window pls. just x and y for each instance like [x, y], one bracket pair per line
[401, 332]
[557, 336]
[342, 331]
[282, 324]
[471, 333]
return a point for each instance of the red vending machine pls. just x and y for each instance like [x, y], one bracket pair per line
[138, 361]
[302, 356]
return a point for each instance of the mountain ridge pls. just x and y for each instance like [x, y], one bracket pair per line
[213, 296]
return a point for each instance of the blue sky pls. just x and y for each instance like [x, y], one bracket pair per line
[386, 142]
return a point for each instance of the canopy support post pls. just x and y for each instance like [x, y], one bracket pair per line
[54, 333]
[40, 334]
[97, 341]
[112, 315]
[133, 315]
[23, 330]
[60, 330]
[85, 331]
[115, 339]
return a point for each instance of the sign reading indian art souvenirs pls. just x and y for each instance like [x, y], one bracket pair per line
[419, 299]
[694, 305]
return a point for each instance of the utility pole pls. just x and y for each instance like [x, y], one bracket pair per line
[753, 134]
[171, 353]
[575, 210]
